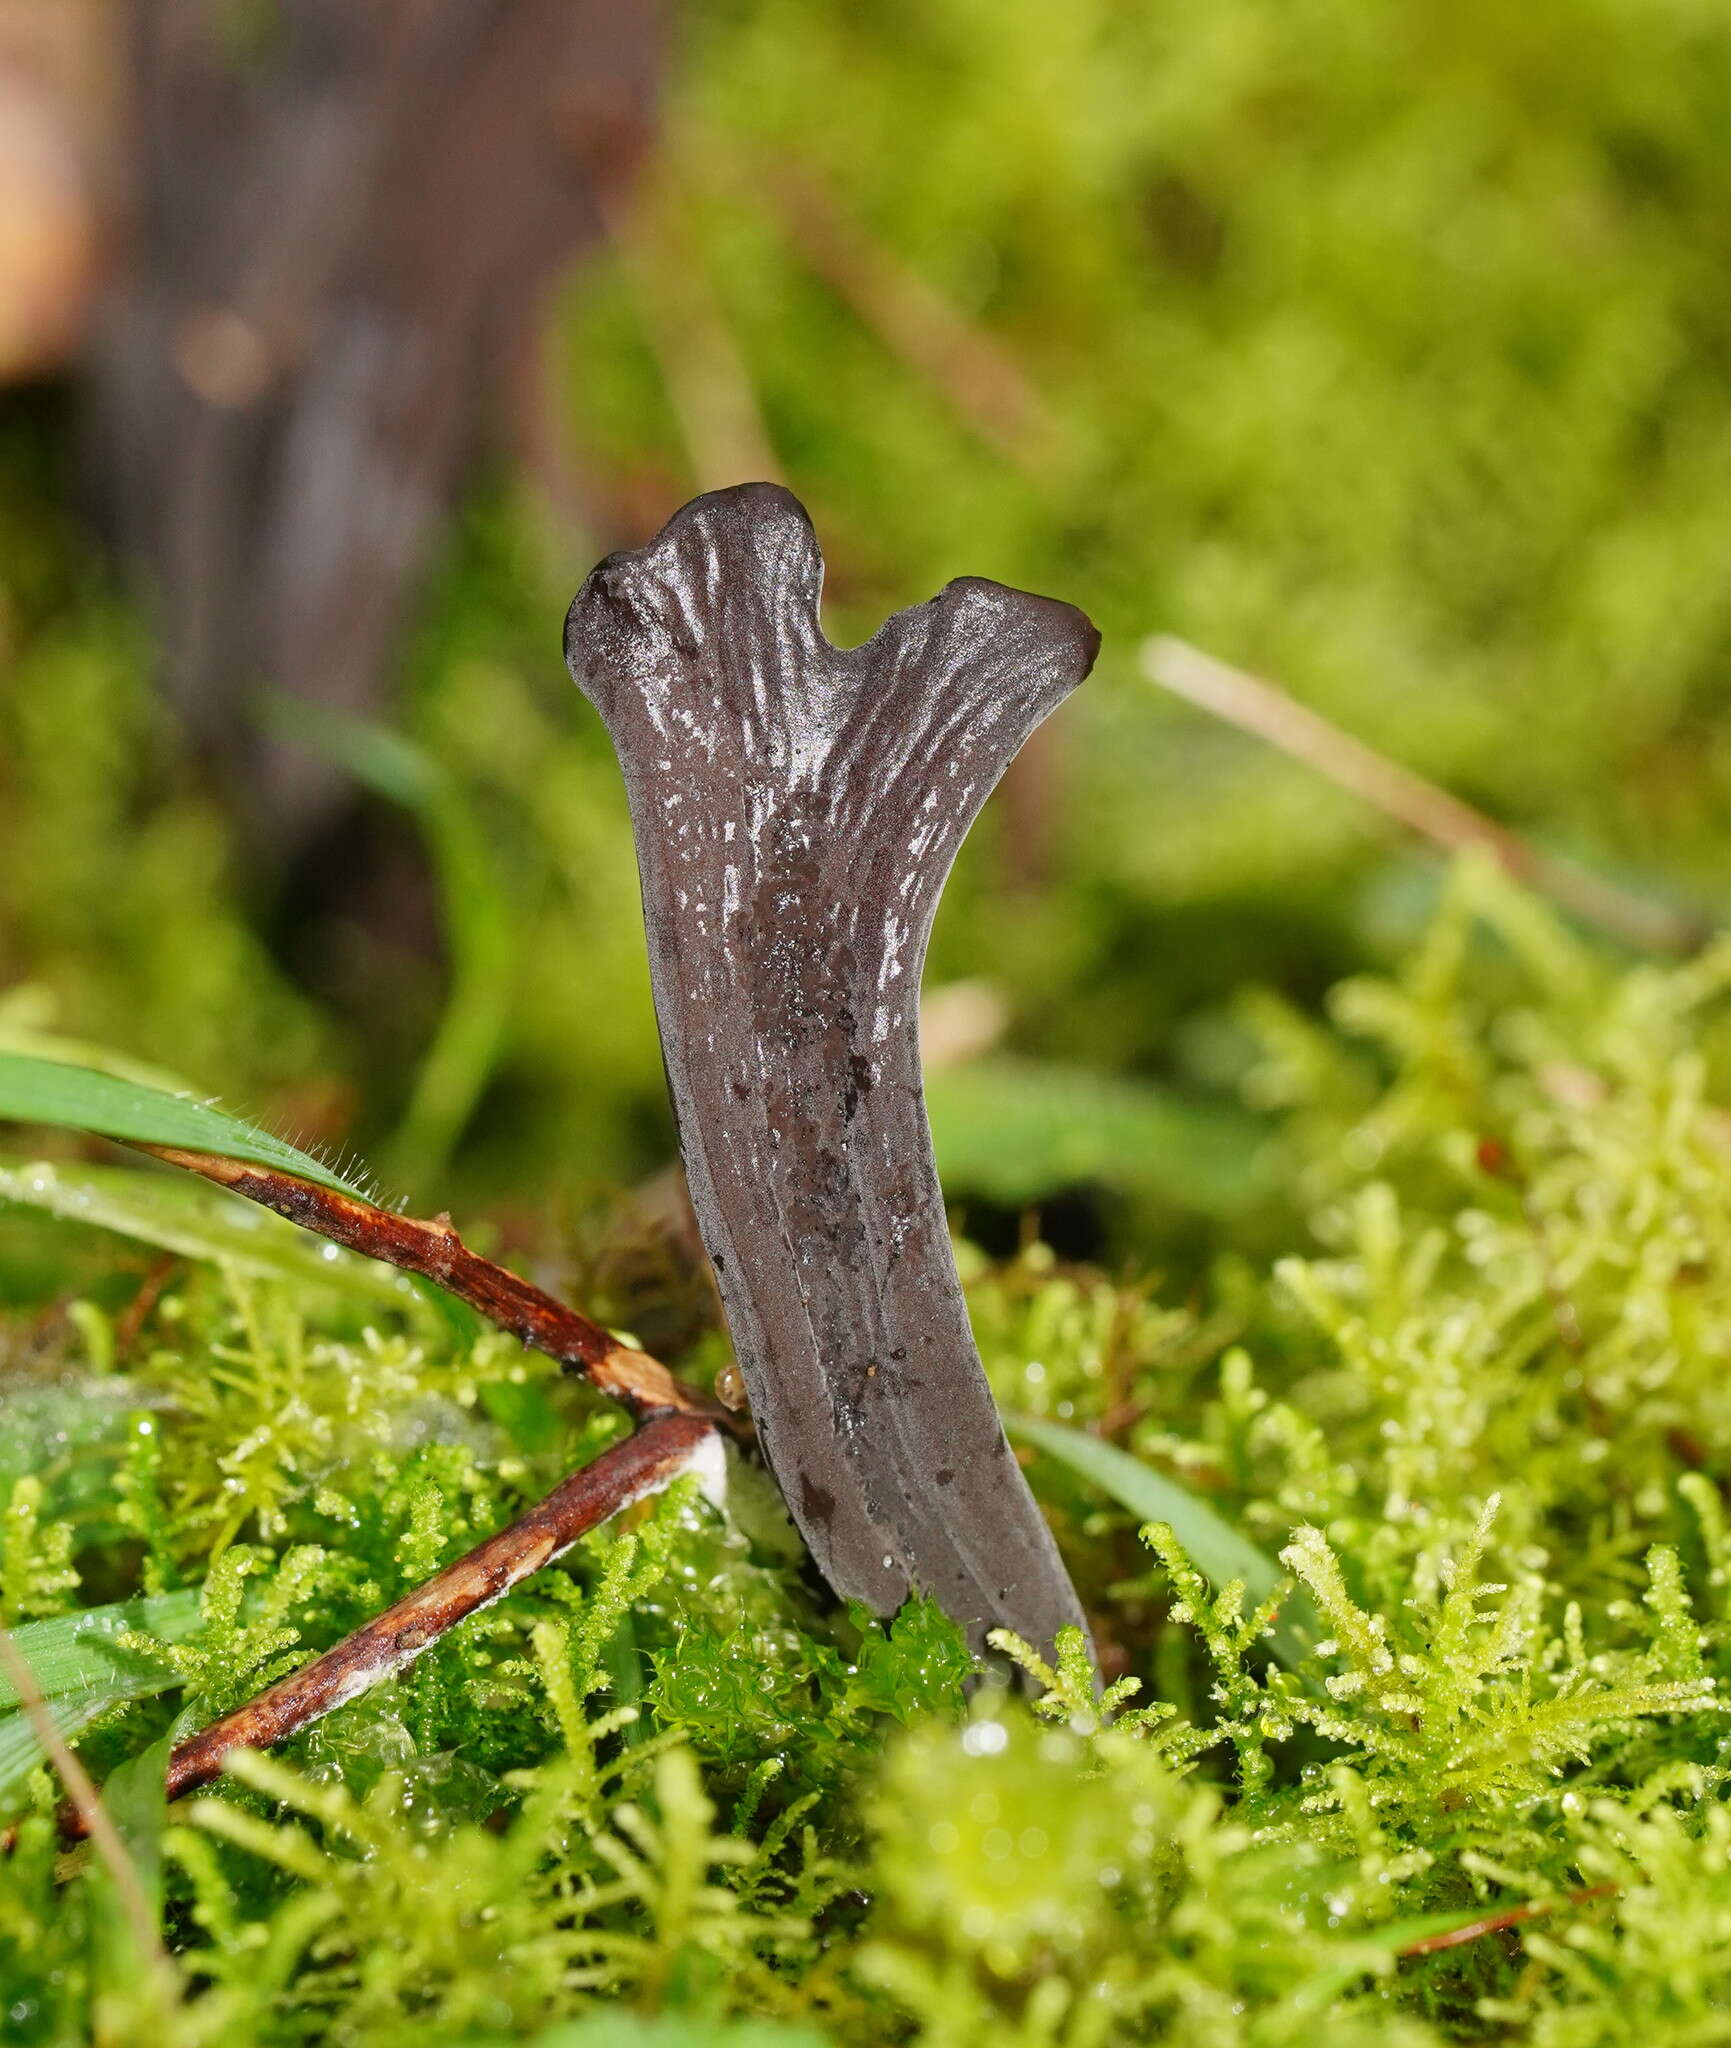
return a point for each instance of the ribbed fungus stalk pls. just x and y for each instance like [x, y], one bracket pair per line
[797, 807]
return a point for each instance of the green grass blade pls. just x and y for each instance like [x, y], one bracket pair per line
[1014, 1130]
[62, 1051]
[75, 1651]
[480, 917]
[82, 1668]
[1218, 1550]
[34, 1091]
[21, 1747]
[176, 1213]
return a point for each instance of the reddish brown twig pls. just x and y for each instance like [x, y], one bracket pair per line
[1495, 1923]
[130, 1323]
[641, 1384]
[676, 1427]
[657, 1453]
[1257, 706]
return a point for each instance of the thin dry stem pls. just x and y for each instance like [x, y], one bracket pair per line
[975, 373]
[1257, 706]
[86, 1808]
[708, 383]
[1496, 1923]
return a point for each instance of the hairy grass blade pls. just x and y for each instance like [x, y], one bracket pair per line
[21, 1747]
[74, 1651]
[82, 1668]
[34, 1091]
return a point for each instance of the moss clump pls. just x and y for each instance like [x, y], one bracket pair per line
[1479, 1421]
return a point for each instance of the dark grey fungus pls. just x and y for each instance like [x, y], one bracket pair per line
[796, 808]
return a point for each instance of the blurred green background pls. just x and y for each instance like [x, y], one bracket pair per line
[1384, 350]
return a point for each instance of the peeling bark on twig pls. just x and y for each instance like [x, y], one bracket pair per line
[655, 1455]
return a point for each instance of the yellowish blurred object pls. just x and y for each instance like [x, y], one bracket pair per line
[48, 232]
[57, 131]
[960, 1021]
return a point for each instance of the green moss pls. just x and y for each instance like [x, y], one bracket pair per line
[1479, 1423]
[1385, 350]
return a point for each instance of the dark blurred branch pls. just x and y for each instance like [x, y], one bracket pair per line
[1258, 707]
[1498, 1923]
[338, 240]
